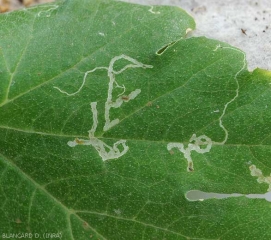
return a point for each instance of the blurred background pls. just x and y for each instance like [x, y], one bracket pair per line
[9, 5]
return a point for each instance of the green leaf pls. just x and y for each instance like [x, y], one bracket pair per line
[110, 116]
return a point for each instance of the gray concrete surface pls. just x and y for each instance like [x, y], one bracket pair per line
[245, 24]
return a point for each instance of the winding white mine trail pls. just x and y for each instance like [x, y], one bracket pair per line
[196, 143]
[105, 151]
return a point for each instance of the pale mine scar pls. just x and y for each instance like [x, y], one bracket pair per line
[105, 151]
[255, 172]
[195, 142]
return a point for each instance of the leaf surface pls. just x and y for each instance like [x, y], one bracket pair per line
[105, 110]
